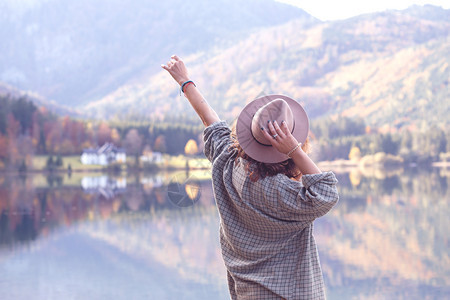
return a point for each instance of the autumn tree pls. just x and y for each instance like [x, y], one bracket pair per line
[3, 147]
[133, 144]
[160, 144]
[103, 133]
[191, 147]
[69, 136]
[13, 131]
[115, 136]
[54, 135]
[355, 154]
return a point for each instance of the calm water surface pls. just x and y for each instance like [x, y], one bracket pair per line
[155, 236]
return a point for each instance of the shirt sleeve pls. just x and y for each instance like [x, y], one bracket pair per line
[312, 198]
[217, 139]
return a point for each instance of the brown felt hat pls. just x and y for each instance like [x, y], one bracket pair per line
[257, 113]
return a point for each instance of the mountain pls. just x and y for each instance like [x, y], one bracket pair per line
[390, 68]
[39, 101]
[103, 58]
[74, 52]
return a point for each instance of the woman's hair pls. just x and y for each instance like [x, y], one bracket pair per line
[259, 170]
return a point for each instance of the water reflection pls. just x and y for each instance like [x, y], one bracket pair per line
[388, 238]
[105, 185]
[120, 237]
[107, 229]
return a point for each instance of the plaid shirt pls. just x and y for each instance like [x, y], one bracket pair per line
[266, 227]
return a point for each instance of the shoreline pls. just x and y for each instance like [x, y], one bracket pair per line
[72, 165]
[341, 166]
[348, 164]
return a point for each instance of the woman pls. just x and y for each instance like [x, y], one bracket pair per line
[266, 215]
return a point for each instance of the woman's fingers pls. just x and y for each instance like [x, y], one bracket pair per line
[285, 128]
[275, 130]
[271, 131]
[269, 136]
[275, 136]
[278, 129]
[171, 62]
[271, 127]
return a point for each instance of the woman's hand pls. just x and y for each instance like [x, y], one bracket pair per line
[178, 71]
[283, 140]
[176, 68]
[280, 137]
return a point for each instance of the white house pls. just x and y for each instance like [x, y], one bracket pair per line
[106, 154]
[152, 157]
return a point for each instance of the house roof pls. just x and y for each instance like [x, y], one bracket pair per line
[107, 148]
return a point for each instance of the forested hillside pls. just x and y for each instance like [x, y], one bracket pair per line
[390, 68]
[27, 130]
[10, 91]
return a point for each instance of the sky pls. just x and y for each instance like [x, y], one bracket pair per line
[342, 9]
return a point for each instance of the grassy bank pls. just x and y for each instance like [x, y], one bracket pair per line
[39, 164]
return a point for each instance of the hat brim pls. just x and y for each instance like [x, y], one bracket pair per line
[258, 151]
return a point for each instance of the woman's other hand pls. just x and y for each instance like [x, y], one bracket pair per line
[176, 68]
[280, 137]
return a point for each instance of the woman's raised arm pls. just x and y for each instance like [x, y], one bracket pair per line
[178, 71]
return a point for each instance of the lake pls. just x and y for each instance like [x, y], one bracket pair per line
[155, 236]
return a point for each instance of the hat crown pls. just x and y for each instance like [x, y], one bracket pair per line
[276, 110]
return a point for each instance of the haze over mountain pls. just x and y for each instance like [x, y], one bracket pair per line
[74, 52]
[390, 68]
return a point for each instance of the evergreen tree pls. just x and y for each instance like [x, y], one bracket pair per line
[50, 164]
